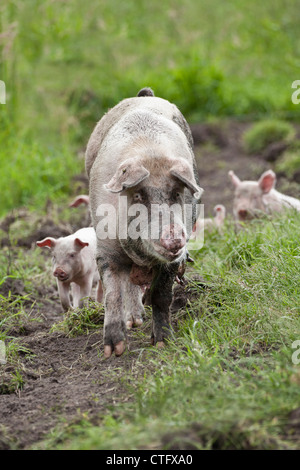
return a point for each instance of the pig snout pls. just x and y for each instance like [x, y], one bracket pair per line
[242, 213]
[173, 238]
[60, 274]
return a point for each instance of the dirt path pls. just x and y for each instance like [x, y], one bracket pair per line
[67, 378]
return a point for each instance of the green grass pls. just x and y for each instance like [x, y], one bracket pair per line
[289, 163]
[264, 133]
[66, 63]
[81, 321]
[226, 379]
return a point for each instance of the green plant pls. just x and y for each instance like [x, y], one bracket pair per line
[289, 162]
[263, 133]
[81, 321]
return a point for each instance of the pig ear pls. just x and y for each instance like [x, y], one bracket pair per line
[183, 171]
[83, 199]
[129, 174]
[47, 242]
[235, 179]
[80, 244]
[267, 181]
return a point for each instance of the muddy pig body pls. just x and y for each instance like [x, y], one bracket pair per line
[74, 266]
[254, 197]
[140, 155]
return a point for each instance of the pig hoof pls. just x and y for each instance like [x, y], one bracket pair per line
[134, 322]
[158, 344]
[119, 348]
[107, 351]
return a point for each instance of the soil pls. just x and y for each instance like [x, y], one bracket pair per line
[67, 378]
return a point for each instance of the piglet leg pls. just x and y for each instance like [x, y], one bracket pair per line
[64, 295]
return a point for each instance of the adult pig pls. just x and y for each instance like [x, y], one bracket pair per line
[74, 266]
[142, 151]
[254, 197]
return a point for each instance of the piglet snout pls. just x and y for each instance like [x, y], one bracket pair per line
[60, 274]
[173, 238]
[242, 214]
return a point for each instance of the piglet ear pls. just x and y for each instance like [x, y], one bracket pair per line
[267, 181]
[129, 174]
[235, 179]
[83, 199]
[47, 242]
[80, 244]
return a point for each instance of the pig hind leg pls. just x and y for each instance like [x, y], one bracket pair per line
[99, 292]
[133, 304]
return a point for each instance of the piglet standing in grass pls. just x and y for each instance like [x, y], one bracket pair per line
[74, 266]
[251, 198]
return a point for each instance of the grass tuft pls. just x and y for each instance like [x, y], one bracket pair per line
[263, 133]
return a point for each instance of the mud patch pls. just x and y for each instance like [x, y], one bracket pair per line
[11, 286]
[64, 379]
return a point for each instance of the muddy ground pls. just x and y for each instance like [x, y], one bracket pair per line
[66, 378]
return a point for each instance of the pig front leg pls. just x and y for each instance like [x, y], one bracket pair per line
[161, 298]
[64, 295]
[113, 279]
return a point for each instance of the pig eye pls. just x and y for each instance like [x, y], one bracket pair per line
[72, 255]
[176, 194]
[137, 197]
